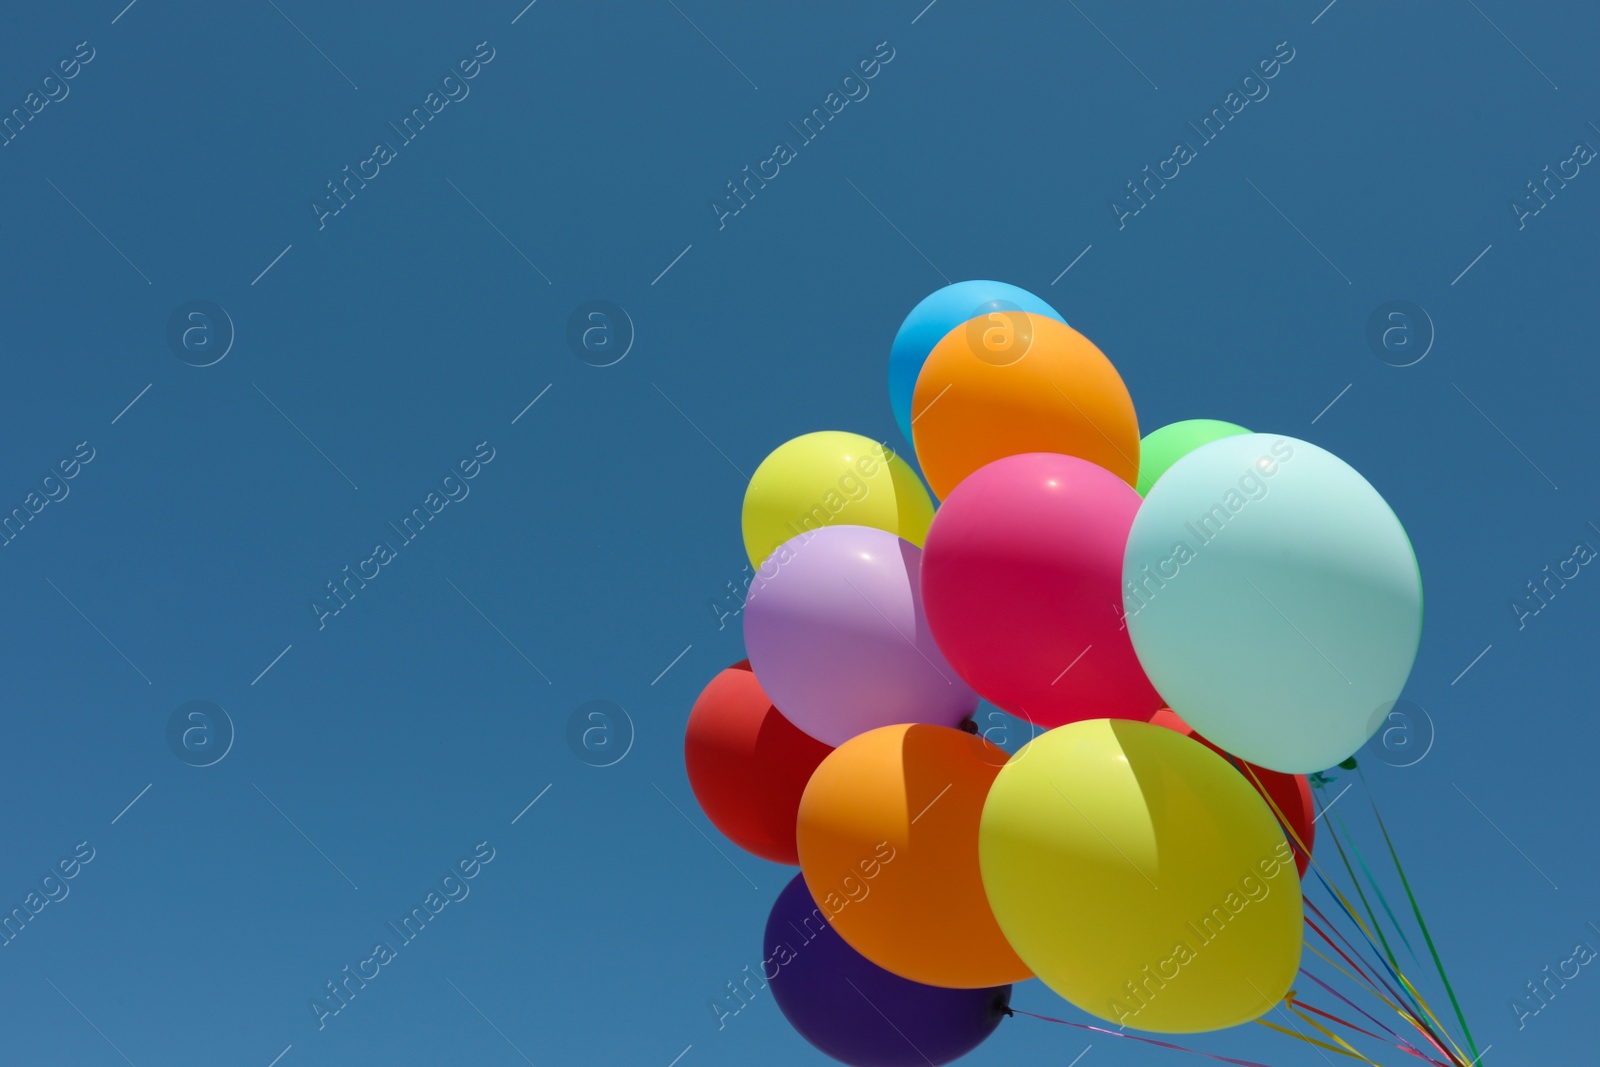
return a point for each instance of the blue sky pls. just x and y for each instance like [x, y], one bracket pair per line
[374, 750]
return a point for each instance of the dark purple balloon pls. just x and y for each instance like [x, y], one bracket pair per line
[856, 1011]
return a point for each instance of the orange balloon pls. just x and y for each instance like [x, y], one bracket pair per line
[888, 836]
[1009, 382]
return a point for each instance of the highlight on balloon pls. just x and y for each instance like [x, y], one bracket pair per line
[1189, 628]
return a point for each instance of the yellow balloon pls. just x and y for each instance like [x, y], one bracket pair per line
[1141, 877]
[832, 478]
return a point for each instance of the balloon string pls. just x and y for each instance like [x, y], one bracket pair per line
[1374, 979]
[1394, 967]
[1400, 1009]
[1417, 1002]
[1371, 982]
[1349, 1049]
[1417, 911]
[1397, 1009]
[1143, 1040]
[1380, 997]
[1370, 979]
[1355, 850]
[1394, 972]
[1303, 1006]
[1363, 1012]
[1310, 1040]
[1397, 1042]
[1345, 859]
[1317, 868]
[1399, 976]
[1412, 1013]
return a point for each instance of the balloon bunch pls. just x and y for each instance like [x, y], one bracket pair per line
[1145, 866]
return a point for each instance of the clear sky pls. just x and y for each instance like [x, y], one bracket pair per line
[377, 348]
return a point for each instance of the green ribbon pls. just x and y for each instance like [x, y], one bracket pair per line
[1356, 882]
[1377, 889]
[1417, 911]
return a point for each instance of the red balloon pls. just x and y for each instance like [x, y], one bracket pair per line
[748, 764]
[1022, 588]
[1291, 793]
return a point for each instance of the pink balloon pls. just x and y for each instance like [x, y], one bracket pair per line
[834, 628]
[1022, 584]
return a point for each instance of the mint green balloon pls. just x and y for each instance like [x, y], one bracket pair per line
[1273, 599]
[1162, 448]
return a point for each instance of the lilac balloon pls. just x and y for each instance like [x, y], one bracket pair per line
[834, 629]
[856, 1011]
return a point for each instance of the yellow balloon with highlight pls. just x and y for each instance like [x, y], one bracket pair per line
[1141, 877]
[832, 478]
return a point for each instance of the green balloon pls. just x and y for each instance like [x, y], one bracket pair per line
[1162, 448]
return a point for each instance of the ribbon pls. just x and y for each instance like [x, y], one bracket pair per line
[1417, 911]
[1143, 1040]
[1376, 888]
[1402, 1042]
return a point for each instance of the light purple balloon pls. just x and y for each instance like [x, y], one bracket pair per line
[834, 629]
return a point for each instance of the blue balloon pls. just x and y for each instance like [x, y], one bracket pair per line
[857, 1012]
[936, 316]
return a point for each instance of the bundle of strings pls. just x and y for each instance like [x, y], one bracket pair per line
[1365, 958]
[1369, 961]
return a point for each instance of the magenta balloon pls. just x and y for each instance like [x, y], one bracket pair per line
[834, 629]
[1022, 574]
